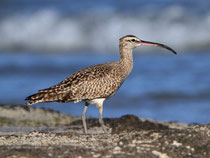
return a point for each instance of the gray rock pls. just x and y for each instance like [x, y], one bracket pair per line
[127, 136]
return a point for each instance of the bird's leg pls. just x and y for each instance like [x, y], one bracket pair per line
[100, 109]
[84, 117]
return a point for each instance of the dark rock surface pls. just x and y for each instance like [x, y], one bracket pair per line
[62, 136]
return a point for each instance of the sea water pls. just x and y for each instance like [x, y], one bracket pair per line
[162, 86]
[78, 25]
[42, 42]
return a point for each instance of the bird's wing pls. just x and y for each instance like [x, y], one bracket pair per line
[94, 81]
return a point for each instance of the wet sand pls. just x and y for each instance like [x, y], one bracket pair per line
[38, 132]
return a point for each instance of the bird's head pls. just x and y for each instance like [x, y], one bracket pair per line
[131, 41]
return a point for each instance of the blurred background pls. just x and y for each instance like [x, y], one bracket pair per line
[44, 41]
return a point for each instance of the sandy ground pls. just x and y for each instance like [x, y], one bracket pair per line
[37, 132]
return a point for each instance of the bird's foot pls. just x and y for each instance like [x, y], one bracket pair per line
[104, 128]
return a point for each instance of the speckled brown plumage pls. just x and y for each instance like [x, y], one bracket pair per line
[96, 83]
[99, 81]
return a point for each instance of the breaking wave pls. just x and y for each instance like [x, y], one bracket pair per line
[49, 29]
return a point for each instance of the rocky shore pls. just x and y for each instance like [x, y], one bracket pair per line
[38, 132]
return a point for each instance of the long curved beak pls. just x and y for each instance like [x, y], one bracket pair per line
[147, 43]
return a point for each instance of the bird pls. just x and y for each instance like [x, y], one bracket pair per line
[95, 84]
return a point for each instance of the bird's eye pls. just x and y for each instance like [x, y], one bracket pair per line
[133, 40]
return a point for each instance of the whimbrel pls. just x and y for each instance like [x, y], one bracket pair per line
[97, 83]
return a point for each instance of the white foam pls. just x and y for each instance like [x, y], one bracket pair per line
[47, 30]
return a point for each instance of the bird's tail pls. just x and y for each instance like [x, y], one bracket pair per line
[32, 102]
[41, 97]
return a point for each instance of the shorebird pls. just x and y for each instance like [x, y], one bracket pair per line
[97, 83]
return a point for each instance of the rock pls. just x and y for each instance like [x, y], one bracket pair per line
[24, 115]
[128, 136]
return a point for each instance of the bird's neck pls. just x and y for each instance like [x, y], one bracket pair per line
[126, 59]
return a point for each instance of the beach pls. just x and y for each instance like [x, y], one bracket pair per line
[52, 134]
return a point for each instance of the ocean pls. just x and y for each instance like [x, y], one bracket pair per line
[78, 25]
[162, 87]
[42, 42]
